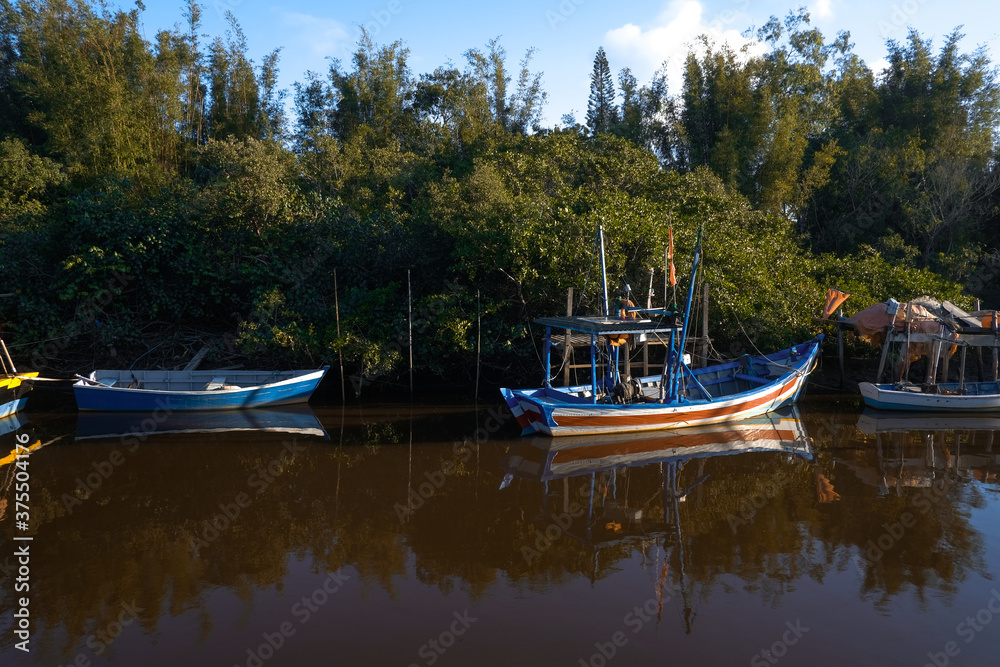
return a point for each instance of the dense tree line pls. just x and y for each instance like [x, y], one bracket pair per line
[155, 193]
[903, 160]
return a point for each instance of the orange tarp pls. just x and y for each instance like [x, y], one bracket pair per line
[871, 323]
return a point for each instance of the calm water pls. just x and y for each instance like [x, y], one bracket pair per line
[830, 537]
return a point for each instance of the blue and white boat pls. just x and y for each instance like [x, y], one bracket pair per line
[168, 391]
[679, 397]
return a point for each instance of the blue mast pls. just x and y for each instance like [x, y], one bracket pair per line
[609, 373]
[676, 369]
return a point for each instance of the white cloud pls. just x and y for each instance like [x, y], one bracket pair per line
[878, 66]
[320, 37]
[670, 36]
[823, 9]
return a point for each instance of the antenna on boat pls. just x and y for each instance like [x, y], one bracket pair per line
[649, 296]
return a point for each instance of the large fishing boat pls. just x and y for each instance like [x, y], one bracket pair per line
[678, 397]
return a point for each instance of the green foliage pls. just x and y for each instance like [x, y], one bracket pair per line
[376, 96]
[248, 185]
[152, 193]
[93, 85]
[869, 277]
[602, 113]
[236, 105]
[24, 180]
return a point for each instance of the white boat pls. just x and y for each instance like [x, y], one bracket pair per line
[938, 397]
[936, 335]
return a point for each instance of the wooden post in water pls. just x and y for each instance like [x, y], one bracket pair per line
[409, 313]
[979, 353]
[993, 326]
[567, 347]
[932, 363]
[885, 350]
[840, 353]
[340, 352]
[931, 371]
[906, 355]
[479, 341]
[945, 362]
[961, 372]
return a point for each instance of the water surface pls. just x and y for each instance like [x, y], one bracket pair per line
[435, 535]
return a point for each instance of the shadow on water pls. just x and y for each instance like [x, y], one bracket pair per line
[161, 540]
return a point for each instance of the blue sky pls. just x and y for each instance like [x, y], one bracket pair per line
[640, 34]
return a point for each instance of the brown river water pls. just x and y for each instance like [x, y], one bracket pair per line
[436, 535]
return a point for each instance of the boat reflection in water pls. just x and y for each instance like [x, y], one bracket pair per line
[729, 531]
[543, 458]
[297, 420]
[916, 450]
[11, 424]
[17, 442]
[605, 515]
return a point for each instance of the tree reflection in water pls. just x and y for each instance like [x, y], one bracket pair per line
[760, 507]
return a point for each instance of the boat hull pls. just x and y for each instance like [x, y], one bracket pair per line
[13, 393]
[297, 389]
[567, 411]
[983, 397]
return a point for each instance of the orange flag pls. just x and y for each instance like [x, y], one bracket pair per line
[670, 257]
[834, 299]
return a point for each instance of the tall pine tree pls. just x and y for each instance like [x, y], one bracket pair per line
[602, 113]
